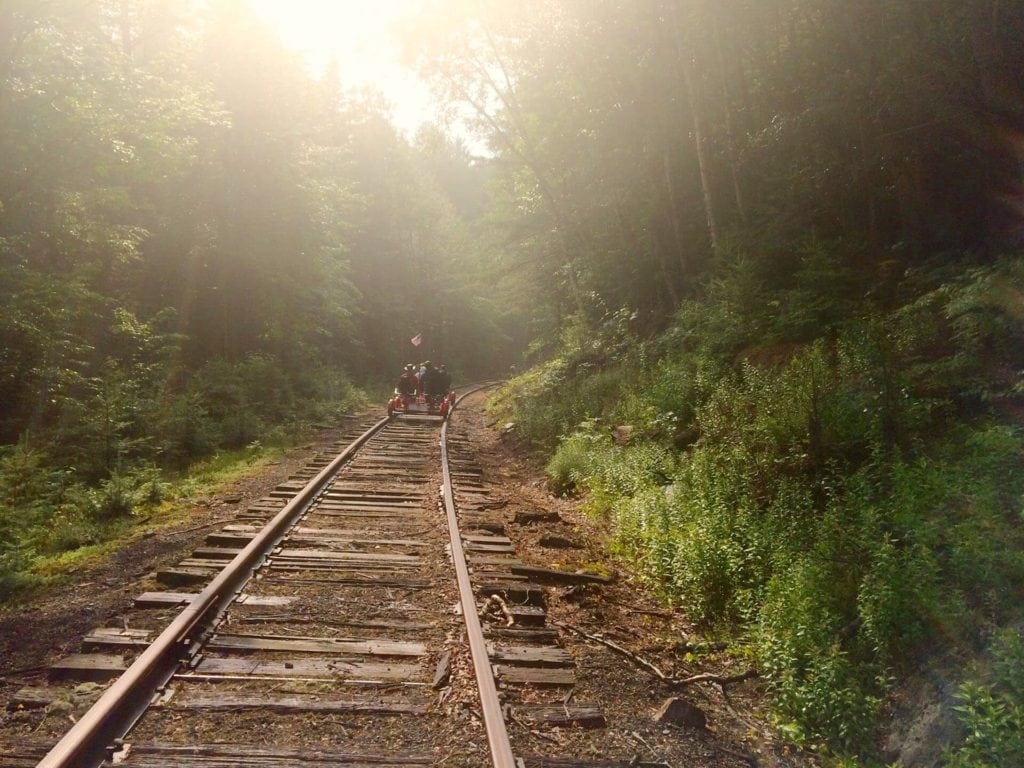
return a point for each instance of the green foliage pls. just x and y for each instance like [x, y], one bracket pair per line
[586, 378]
[572, 464]
[788, 197]
[993, 715]
[845, 500]
[182, 271]
[26, 488]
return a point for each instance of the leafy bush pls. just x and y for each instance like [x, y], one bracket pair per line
[993, 715]
[28, 492]
[118, 432]
[594, 366]
[846, 499]
[571, 465]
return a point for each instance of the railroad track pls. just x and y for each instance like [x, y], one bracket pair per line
[338, 621]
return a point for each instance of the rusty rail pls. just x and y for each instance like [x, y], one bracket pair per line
[120, 707]
[490, 705]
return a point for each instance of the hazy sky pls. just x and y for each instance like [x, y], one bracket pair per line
[358, 34]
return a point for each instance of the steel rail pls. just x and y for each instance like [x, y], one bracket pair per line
[121, 705]
[490, 705]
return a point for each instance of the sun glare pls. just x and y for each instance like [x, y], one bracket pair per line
[358, 34]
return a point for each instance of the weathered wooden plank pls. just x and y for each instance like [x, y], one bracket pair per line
[223, 642]
[195, 562]
[361, 580]
[472, 546]
[326, 668]
[550, 656]
[216, 553]
[94, 667]
[164, 599]
[396, 625]
[112, 638]
[358, 542]
[158, 755]
[487, 574]
[26, 752]
[472, 498]
[343, 567]
[34, 697]
[172, 599]
[522, 593]
[364, 514]
[493, 562]
[226, 539]
[488, 523]
[331, 554]
[562, 716]
[368, 512]
[561, 577]
[264, 600]
[362, 538]
[373, 502]
[539, 676]
[486, 539]
[443, 670]
[522, 634]
[184, 577]
[349, 499]
[345, 492]
[295, 703]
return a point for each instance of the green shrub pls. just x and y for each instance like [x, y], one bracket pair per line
[569, 468]
[29, 490]
[821, 693]
[72, 526]
[587, 377]
[834, 476]
[993, 715]
[185, 431]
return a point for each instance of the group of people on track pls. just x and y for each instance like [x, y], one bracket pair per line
[428, 380]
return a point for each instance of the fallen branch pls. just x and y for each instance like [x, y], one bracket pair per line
[717, 679]
[619, 650]
[645, 664]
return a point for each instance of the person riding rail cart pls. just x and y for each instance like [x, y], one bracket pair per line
[433, 384]
[407, 382]
[424, 393]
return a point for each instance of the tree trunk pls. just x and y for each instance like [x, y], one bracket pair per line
[730, 137]
[674, 213]
[703, 162]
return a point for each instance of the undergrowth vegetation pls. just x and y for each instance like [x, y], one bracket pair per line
[121, 442]
[993, 711]
[837, 483]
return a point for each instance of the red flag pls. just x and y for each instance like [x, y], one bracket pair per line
[416, 340]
